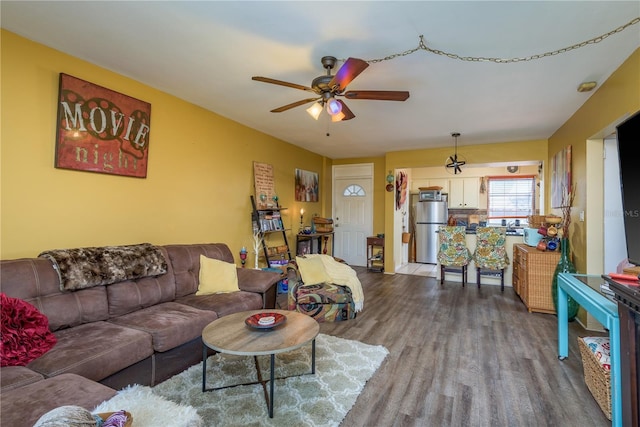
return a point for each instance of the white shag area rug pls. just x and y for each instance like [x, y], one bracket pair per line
[149, 409]
[342, 369]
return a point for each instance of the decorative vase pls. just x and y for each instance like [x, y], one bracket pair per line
[564, 266]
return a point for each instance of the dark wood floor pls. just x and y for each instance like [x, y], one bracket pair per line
[463, 357]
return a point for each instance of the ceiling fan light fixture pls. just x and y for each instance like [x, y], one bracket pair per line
[334, 107]
[315, 110]
[338, 117]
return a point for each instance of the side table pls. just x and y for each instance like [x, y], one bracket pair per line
[375, 261]
[582, 288]
[310, 238]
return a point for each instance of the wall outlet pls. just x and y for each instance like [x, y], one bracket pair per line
[581, 216]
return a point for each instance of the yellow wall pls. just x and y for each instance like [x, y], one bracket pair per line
[199, 176]
[197, 183]
[617, 96]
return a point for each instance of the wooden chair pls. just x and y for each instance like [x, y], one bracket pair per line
[453, 254]
[490, 255]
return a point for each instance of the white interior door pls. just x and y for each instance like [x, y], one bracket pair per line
[353, 216]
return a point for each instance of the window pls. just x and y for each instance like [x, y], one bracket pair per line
[511, 197]
[354, 190]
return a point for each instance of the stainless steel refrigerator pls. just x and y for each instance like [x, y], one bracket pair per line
[429, 215]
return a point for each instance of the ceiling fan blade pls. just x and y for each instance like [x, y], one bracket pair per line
[348, 114]
[382, 95]
[281, 83]
[457, 169]
[293, 105]
[349, 71]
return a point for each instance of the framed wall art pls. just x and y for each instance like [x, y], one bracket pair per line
[99, 130]
[264, 185]
[307, 186]
[560, 176]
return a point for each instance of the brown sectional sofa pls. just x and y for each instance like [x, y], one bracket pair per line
[140, 331]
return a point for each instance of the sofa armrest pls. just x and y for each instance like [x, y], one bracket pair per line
[258, 281]
[262, 282]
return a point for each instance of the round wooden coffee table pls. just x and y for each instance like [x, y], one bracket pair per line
[230, 334]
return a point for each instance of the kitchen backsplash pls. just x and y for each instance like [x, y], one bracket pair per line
[462, 215]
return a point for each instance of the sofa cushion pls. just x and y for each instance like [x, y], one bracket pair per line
[94, 350]
[224, 304]
[185, 260]
[216, 277]
[23, 406]
[129, 296]
[170, 324]
[25, 332]
[35, 281]
[17, 376]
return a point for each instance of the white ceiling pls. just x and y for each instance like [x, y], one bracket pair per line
[207, 51]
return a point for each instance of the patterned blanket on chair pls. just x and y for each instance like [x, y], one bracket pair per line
[81, 268]
[341, 274]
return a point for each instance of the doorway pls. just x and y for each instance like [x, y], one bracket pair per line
[352, 211]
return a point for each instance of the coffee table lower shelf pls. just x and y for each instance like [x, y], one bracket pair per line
[271, 380]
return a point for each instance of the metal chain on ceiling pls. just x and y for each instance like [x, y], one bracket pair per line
[423, 46]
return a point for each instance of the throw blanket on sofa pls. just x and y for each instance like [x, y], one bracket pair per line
[341, 274]
[81, 268]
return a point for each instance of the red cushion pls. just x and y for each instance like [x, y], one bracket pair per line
[25, 332]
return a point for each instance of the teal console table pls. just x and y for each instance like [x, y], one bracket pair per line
[584, 289]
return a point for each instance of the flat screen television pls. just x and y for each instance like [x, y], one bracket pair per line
[628, 135]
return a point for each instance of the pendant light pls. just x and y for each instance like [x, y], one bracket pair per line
[454, 163]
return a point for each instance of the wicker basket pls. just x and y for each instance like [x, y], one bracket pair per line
[598, 380]
[323, 225]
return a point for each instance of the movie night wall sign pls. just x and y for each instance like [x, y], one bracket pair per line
[99, 130]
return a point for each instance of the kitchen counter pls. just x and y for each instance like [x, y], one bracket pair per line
[510, 231]
[486, 280]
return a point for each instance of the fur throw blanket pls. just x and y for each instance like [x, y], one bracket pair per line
[86, 267]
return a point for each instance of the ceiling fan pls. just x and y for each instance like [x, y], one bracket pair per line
[453, 162]
[328, 87]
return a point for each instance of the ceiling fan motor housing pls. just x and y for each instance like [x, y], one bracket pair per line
[320, 84]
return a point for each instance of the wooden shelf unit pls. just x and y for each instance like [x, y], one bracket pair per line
[269, 223]
[532, 277]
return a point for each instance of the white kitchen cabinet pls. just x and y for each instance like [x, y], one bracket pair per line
[417, 183]
[464, 193]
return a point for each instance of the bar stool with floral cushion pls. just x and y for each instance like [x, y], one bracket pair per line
[490, 255]
[453, 254]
